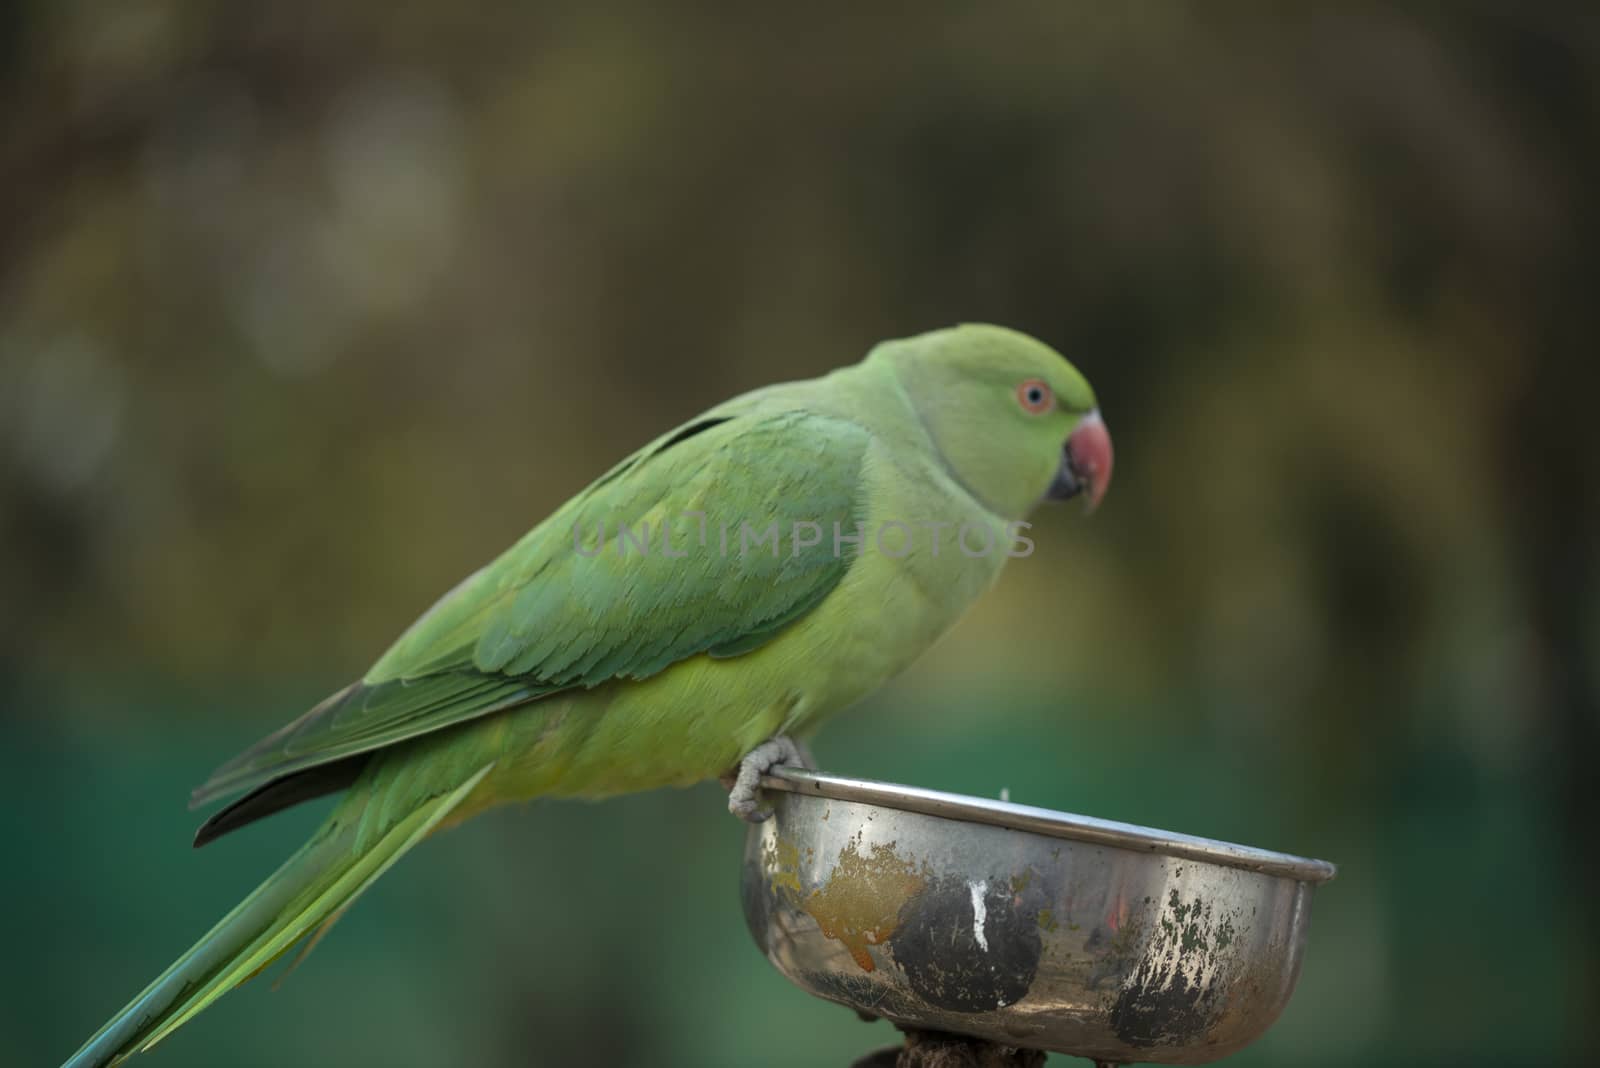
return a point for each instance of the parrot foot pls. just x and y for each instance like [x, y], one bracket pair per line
[746, 781]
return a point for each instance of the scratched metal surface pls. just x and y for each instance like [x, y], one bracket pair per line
[1102, 940]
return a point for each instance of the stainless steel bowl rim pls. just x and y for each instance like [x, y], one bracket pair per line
[1048, 822]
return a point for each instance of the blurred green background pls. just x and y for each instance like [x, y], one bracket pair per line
[306, 311]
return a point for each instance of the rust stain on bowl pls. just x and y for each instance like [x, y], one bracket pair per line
[782, 861]
[860, 903]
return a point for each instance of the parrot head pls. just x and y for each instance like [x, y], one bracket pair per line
[1012, 419]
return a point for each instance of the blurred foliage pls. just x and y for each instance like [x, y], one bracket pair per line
[306, 311]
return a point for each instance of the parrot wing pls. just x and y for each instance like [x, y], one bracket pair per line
[749, 503]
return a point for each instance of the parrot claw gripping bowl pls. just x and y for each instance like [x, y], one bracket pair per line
[1023, 926]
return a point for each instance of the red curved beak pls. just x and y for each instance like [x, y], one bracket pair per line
[1088, 458]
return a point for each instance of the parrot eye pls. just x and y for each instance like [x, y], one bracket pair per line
[1035, 397]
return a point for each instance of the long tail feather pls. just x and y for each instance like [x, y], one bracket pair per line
[312, 887]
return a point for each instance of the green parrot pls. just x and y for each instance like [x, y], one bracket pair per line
[696, 612]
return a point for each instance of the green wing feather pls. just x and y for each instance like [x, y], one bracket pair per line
[545, 617]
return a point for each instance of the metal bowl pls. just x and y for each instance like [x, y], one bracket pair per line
[1023, 926]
